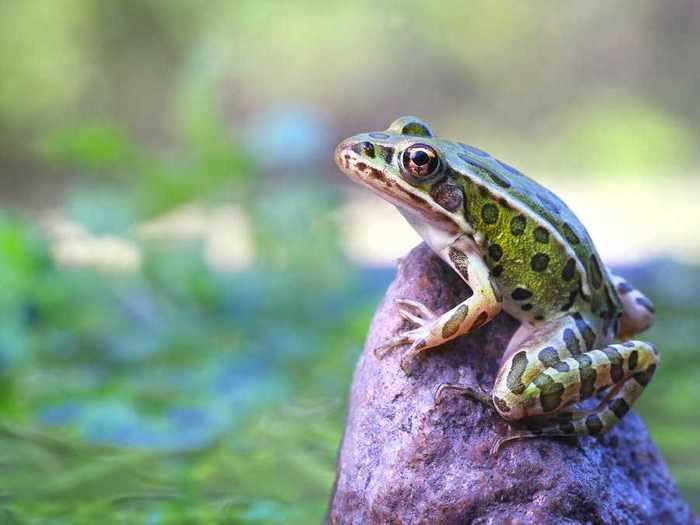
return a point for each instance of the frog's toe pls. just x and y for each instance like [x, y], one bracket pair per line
[424, 313]
[411, 317]
[502, 441]
[408, 359]
[412, 337]
[498, 444]
[477, 393]
[380, 351]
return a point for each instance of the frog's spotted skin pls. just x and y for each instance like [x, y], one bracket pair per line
[521, 249]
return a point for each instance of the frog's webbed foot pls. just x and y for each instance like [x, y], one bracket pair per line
[415, 337]
[477, 393]
[422, 317]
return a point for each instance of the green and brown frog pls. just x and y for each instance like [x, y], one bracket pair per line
[520, 249]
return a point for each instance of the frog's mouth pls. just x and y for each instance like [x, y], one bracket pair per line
[379, 178]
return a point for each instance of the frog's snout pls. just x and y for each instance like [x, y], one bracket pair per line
[347, 158]
[344, 154]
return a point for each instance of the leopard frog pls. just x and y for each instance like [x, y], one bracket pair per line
[520, 249]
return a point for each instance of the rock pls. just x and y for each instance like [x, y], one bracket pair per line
[405, 460]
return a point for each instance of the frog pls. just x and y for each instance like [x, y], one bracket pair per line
[520, 249]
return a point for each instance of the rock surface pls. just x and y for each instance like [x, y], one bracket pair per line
[405, 460]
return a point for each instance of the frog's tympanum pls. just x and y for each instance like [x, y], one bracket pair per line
[520, 249]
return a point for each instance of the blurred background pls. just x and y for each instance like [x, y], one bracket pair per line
[187, 279]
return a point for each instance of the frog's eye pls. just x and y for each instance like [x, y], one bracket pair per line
[420, 164]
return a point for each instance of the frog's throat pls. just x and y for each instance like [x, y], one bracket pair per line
[437, 236]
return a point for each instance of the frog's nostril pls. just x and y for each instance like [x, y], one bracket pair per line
[342, 149]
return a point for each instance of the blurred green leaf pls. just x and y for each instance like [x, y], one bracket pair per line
[91, 147]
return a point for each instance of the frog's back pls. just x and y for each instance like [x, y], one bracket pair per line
[517, 214]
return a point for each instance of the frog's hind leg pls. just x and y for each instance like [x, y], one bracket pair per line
[627, 367]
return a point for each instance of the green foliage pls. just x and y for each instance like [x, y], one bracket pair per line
[200, 379]
[176, 394]
[157, 182]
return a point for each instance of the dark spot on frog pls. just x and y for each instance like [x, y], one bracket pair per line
[587, 375]
[550, 392]
[497, 270]
[619, 407]
[594, 425]
[489, 213]
[569, 270]
[448, 195]
[520, 294]
[364, 148]
[570, 301]
[460, 262]
[503, 183]
[548, 356]
[515, 374]
[571, 342]
[483, 191]
[585, 330]
[569, 234]
[503, 202]
[632, 360]
[387, 153]
[527, 307]
[416, 129]
[495, 252]
[539, 262]
[451, 327]
[645, 376]
[561, 366]
[517, 225]
[541, 235]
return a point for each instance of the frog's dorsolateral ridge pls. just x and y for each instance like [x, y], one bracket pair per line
[521, 250]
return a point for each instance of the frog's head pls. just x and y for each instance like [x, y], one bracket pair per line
[408, 167]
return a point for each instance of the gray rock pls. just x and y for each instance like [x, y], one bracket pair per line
[405, 460]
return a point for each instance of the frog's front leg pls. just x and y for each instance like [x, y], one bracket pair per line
[433, 330]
